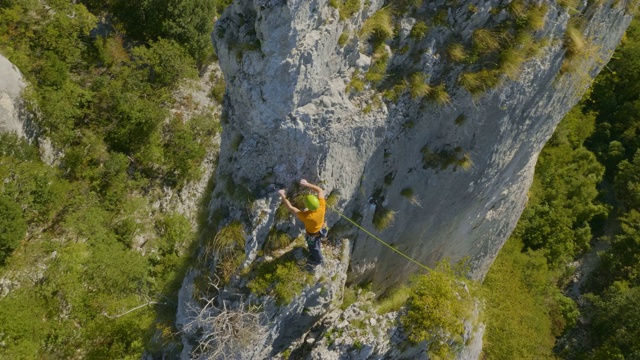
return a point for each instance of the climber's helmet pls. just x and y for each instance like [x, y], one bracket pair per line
[312, 202]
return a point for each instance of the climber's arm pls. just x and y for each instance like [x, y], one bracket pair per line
[315, 188]
[294, 210]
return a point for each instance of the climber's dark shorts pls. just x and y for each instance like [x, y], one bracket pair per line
[313, 244]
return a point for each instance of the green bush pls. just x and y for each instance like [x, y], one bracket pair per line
[438, 304]
[218, 89]
[282, 279]
[616, 322]
[183, 152]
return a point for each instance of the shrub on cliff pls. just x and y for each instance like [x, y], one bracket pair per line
[438, 304]
[12, 226]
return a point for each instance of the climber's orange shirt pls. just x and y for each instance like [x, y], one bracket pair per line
[313, 220]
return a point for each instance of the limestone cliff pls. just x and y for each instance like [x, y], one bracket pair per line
[289, 115]
[453, 164]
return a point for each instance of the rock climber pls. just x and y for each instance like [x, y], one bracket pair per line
[312, 217]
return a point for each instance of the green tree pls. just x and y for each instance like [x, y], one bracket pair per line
[21, 327]
[621, 261]
[616, 323]
[166, 62]
[563, 193]
[190, 23]
[183, 152]
[616, 100]
[627, 182]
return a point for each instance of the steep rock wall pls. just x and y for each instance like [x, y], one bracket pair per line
[11, 84]
[288, 116]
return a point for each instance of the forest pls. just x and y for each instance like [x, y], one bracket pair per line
[82, 243]
[81, 240]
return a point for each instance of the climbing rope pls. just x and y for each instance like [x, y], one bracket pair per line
[380, 240]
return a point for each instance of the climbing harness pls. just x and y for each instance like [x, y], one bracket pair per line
[380, 240]
[320, 235]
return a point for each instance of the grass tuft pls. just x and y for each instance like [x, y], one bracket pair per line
[395, 92]
[465, 162]
[574, 41]
[511, 61]
[536, 17]
[456, 52]
[377, 70]
[383, 218]
[342, 40]
[332, 199]
[417, 86]
[282, 212]
[229, 245]
[410, 195]
[276, 240]
[440, 95]
[419, 30]
[349, 297]
[479, 82]
[379, 23]
[228, 237]
[517, 9]
[394, 301]
[346, 8]
[485, 40]
[357, 83]
[568, 4]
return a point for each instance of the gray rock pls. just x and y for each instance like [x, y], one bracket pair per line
[278, 96]
[11, 85]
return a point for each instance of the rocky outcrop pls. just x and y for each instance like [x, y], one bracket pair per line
[11, 84]
[289, 116]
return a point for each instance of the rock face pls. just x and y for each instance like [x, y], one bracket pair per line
[289, 116]
[11, 84]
